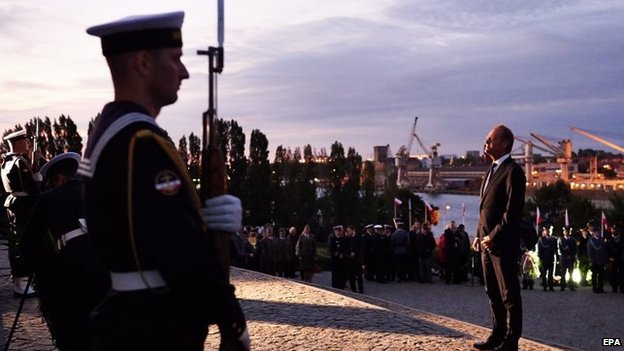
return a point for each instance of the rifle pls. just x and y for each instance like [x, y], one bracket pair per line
[213, 177]
[34, 159]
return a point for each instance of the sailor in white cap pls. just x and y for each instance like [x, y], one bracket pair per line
[143, 212]
[22, 190]
[70, 281]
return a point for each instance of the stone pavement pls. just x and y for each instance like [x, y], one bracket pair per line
[287, 315]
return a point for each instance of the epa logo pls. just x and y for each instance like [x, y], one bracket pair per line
[611, 342]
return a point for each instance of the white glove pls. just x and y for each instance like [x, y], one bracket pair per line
[245, 340]
[223, 213]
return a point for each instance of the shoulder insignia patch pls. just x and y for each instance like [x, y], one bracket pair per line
[167, 182]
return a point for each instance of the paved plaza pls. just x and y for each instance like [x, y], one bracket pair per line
[288, 315]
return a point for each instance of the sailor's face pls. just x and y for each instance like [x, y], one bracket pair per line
[169, 71]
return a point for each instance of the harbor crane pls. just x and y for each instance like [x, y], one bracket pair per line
[562, 152]
[598, 139]
[403, 154]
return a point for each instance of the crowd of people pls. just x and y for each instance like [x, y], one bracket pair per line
[390, 253]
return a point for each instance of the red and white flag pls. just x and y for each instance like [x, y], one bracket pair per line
[538, 217]
[428, 207]
[603, 220]
[397, 202]
[567, 219]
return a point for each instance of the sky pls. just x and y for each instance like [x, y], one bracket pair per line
[353, 71]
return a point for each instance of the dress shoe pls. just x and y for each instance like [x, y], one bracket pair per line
[485, 345]
[506, 346]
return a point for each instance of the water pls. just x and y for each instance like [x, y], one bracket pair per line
[451, 210]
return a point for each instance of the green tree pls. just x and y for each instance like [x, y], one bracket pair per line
[258, 181]
[237, 161]
[194, 145]
[183, 150]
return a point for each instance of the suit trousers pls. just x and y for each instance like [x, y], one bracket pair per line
[502, 286]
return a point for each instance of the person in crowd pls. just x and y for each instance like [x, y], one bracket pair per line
[353, 260]
[547, 253]
[597, 253]
[291, 266]
[399, 241]
[451, 253]
[339, 250]
[567, 258]
[464, 253]
[306, 252]
[369, 252]
[583, 258]
[268, 251]
[412, 268]
[615, 250]
[251, 252]
[425, 244]
[383, 255]
[283, 251]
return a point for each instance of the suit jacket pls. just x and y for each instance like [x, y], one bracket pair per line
[501, 205]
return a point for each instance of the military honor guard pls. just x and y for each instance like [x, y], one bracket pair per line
[70, 281]
[22, 191]
[143, 212]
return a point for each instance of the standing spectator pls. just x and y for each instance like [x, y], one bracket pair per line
[283, 252]
[425, 244]
[464, 253]
[567, 253]
[354, 260]
[399, 240]
[615, 249]
[306, 251]
[251, 252]
[338, 249]
[369, 250]
[583, 258]
[267, 251]
[452, 254]
[597, 252]
[381, 264]
[547, 253]
[412, 265]
[291, 266]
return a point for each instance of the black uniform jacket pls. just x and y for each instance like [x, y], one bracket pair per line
[502, 202]
[143, 213]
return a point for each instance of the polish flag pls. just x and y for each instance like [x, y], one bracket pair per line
[428, 207]
[567, 219]
[397, 202]
[538, 217]
[603, 220]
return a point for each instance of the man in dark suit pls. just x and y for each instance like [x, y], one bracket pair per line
[502, 201]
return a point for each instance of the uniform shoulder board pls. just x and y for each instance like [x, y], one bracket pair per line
[88, 164]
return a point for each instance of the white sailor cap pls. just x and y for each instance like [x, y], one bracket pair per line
[18, 134]
[143, 32]
[378, 226]
[59, 160]
[336, 227]
[369, 226]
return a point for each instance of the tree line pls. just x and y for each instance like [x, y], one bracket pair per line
[298, 188]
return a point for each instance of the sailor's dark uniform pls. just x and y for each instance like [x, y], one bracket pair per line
[22, 192]
[69, 280]
[143, 215]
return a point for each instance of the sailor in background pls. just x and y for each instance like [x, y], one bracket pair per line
[22, 190]
[143, 212]
[68, 277]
